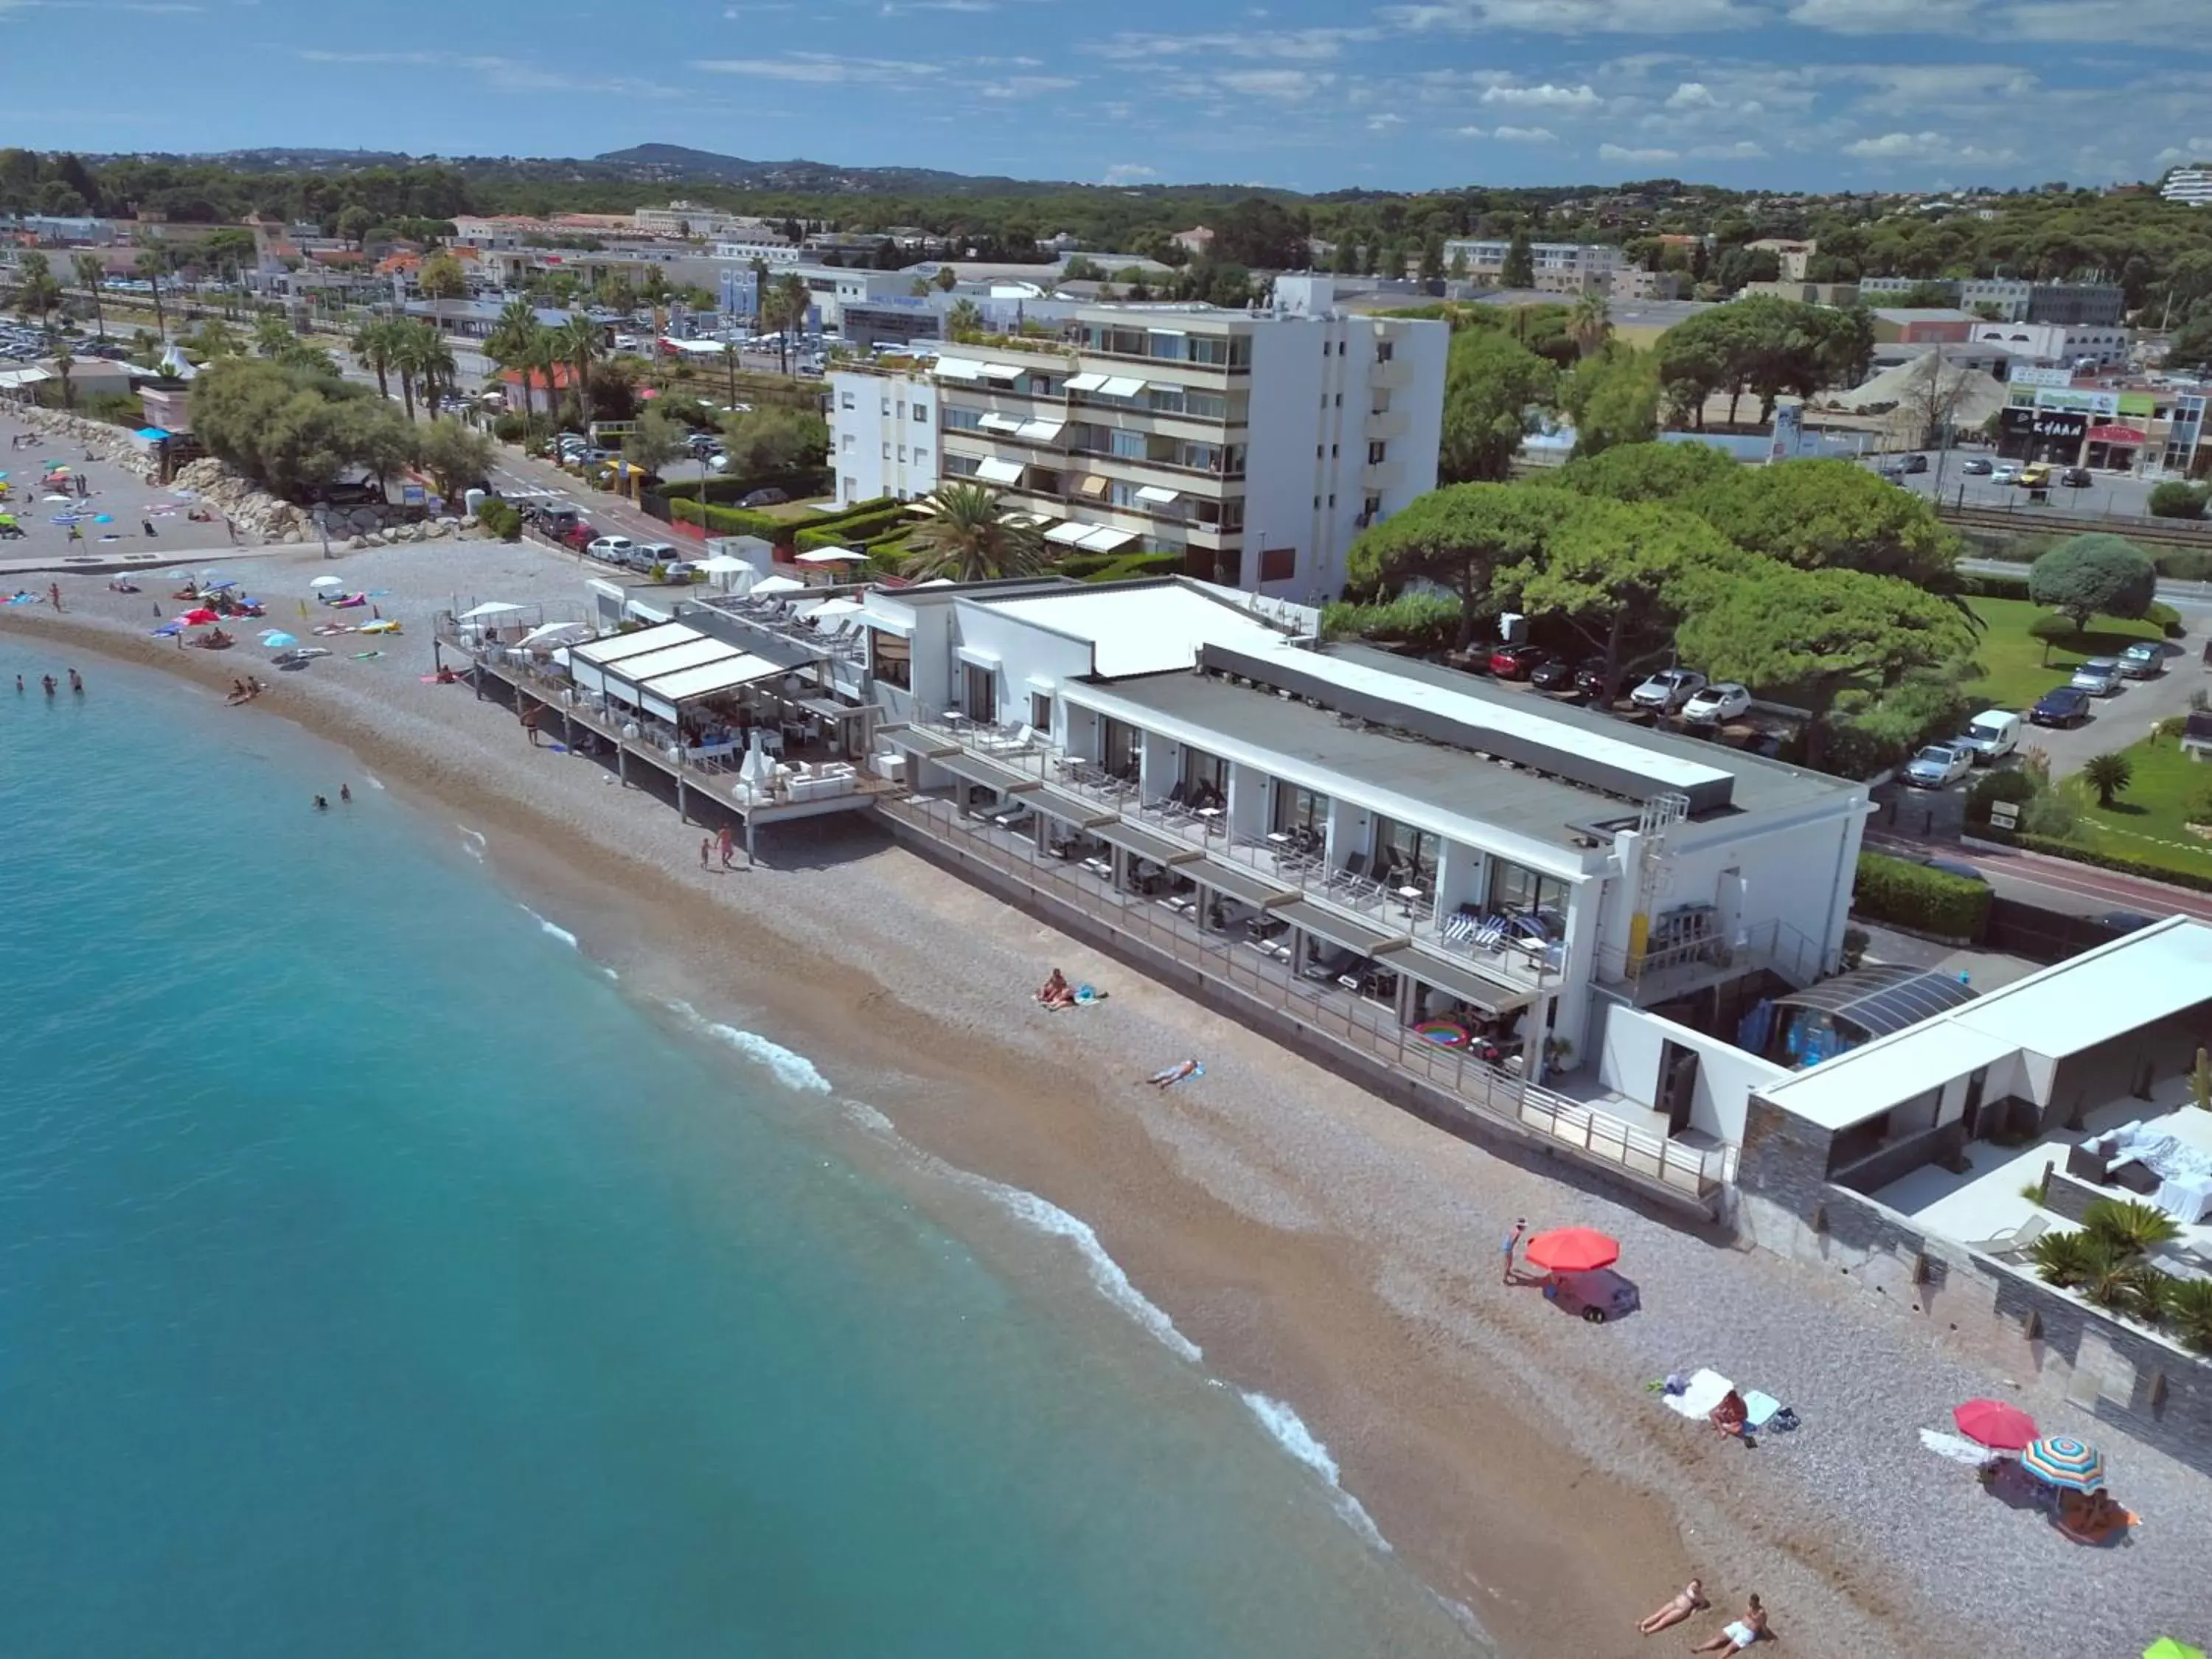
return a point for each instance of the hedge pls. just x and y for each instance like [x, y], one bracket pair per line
[728, 520]
[1914, 896]
[1993, 584]
[2118, 862]
[800, 483]
[2176, 500]
[850, 530]
[2184, 564]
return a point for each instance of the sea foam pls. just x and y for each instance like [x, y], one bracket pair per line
[552, 930]
[1106, 1274]
[472, 842]
[1290, 1433]
[787, 1066]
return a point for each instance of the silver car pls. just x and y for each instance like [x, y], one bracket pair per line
[2099, 676]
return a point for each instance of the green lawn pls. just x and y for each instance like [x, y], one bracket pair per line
[2145, 820]
[2014, 674]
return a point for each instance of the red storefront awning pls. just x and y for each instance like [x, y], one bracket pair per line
[2117, 434]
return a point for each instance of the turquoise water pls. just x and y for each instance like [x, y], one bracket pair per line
[376, 1279]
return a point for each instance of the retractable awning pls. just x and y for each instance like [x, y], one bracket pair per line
[1106, 538]
[1002, 371]
[1158, 496]
[1040, 432]
[1342, 931]
[1000, 423]
[1093, 488]
[1085, 382]
[1491, 996]
[957, 368]
[995, 471]
[667, 695]
[1121, 387]
[1067, 534]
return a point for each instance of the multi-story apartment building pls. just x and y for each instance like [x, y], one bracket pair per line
[2191, 185]
[747, 244]
[1258, 445]
[883, 432]
[1559, 267]
[2013, 300]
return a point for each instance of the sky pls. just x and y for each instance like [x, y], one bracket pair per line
[1810, 95]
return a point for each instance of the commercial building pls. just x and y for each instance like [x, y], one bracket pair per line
[1791, 256]
[1558, 267]
[767, 245]
[2012, 299]
[2059, 344]
[883, 432]
[1257, 445]
[1430, 865]
[1922, 325]
[1839, 294]
[2193, 186]
[1633, 283]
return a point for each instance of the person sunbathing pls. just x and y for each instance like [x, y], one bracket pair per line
[1731, 1415]
[1689, 1602]
[1168, 1076]
[1739, 1633]
[2090, 1517]
[1055, 992]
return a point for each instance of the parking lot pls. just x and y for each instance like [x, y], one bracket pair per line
[2119, 494]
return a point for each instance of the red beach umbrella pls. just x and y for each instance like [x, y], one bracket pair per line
[198, 619]
[1995, 1424]
[1572, 1250]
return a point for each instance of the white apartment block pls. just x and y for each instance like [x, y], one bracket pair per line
[1559, 267]
[2189, 184]
[1257, 445]
[883, 433]
[766, 245]
[2063, 344]
[690, 219]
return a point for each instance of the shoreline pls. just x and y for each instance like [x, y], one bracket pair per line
[1492, 1445]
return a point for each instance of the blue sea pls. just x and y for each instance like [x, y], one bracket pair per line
[378, 1278]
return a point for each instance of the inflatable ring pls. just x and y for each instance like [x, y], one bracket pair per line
[1444, 1033]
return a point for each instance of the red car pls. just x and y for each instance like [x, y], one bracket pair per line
[579, 535]
[1518, 662]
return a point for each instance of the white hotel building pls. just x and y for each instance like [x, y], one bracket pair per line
[1257, 445]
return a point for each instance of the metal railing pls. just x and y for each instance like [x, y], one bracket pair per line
[1473, 1086]
[1771, 945]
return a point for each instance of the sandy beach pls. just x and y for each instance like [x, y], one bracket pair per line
[1318, 1246]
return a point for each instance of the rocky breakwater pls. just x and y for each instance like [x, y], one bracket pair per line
[107, 443]
[256, 512]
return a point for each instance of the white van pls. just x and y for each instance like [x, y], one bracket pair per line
[1990, 736]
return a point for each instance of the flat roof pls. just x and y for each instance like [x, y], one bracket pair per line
[1135, 628]
[617, 646]
[2095, 998]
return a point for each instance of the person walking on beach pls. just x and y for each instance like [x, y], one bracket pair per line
[54, 589]
[729, 846]
[529, 724]
[706, 846]
[1513, 1243]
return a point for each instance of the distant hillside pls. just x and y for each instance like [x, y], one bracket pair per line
[676, 162]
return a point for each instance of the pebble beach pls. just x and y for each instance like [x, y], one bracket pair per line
[1316, 1245]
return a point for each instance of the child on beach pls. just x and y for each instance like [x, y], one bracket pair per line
[706, 846]
[1512, 1244]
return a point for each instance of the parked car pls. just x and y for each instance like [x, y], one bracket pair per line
[2143, 661]
[769, 497]
[2005, 472]
[2060, 705]
[1723, 700]
[614, 549]
[1964, 872]
[643, 556]
[1555, 674]
[2099, 676]
[1590, 679]
[2076, 477]
[1914, 462]
[579, 535]
[1668, 690]
[2036, 475]
[1938, 766]
[1990, 736]
[1518, 662]
[680, 570]
[1977, 467]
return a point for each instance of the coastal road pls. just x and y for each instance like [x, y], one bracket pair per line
[2060, 884]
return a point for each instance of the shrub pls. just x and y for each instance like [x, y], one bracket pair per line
[1890, 889]
[2129, 1227]
[1993, 584]
[2093, 573]
[2167, 618]
[2064, 1259]
[2189, 1308]
[1131, 566]
[2185, 564]
[2053, 815]
[2176, 500]
[500, 518]
[2198, 809]
[2037, 842]
[1426, 622]
[2011, 785]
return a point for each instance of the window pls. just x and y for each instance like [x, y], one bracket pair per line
[1517, 890]
[1126, 446]
[1340, 400]
[921, 411]
[1376, 451]
[1207, 348]
[1205, 778]
[901, 406]
[921, 457]
[1316, 503]
[901, 451]
[1382, 350]
[1333, 452]
[1278, 564]
[887, 406]
[1041, 710]
[1298, 810]
[891, 658]
[1119, 746]
[849, 441]
[887, 449]
[962, 420]
[1317, 450]
[844, 400]
[1332, 501]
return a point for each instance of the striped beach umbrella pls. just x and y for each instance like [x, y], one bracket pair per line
[2063, 1460]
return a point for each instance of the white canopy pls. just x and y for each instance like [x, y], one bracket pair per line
[491, 608]
[666, 694]
[328, 581]
[995, 471]
[833, 556]
[1069, 533]
[563, 633]
[778, 585]
[829, 609]
[722, 564]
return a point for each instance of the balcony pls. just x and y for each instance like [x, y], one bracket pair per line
[1394, 375]
[1390, 424]
[1376, 477]
[1453, 1086]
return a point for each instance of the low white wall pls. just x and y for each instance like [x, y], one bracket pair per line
[1630, 1046]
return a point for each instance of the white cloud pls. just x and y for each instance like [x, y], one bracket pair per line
[1546, 96]
[1692, 94]
[1923, 147]
[1886, 17]
[1291, 46]
[503, 74]
[1742, 150]
[1578, 16]
[1290, 85]
[1469, 132]
[1129, 173]
[818, 69]
[2174, 25]
[1524, 135]
[1385, 121]
[1907, 88]
[1620, 153]
[2196, 149]
[1027, 86]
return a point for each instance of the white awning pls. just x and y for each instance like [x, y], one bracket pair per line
[664, 696]
[998, 471]
[831, 555]
[1000, 423]
[1121, 387]
[636, 670]
[882, 624]
[1040, 432]
[1159, 497]
[617, 646]
[769, 585]
[958, 369]
[1069, 533]
[1106, 540]
[1085, 382]
[1002, 371]
[490, 608]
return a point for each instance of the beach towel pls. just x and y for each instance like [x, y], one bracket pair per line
[1956, 1448]
[1704, 1390]
[1763, 1411]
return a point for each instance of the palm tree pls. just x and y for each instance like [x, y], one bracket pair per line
[64, 362]
[509, 342]
[760, 291]
[792, 299]
[968, 537]
[730, 362]
[2108, 774]
[89, 271]
[40, 293]
[577, 343]
[2129, 1228]
[2189, 1306]
[419, 354]
[272, 334]
[543, 356]
[964, 321]
[153, 264]
[1590, 323]
[2065, 1258]
[376, 343]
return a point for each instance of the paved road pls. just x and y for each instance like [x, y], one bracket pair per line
[2060, 884]
[2112, 492]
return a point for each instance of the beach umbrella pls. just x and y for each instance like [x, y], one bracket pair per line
[198, 619]
[327, 581]
[1572, 1250]
[217, 586]
[2063, 1460]
[2167, 1648]
[1995, 1424]
[276, 639]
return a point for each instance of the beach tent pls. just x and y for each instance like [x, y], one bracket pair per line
[833, 556]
